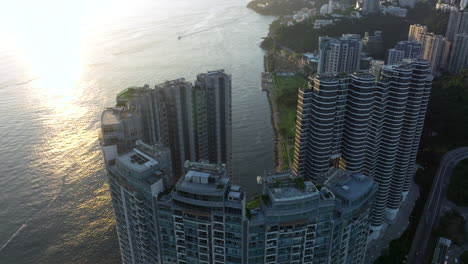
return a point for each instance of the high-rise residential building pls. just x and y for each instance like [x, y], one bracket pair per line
[175, 121]
[121, 126]
[356, 124]
[298, 223]
[194, 122]
[457, 24]
[339, 54]
[203, 219]
[166, 117]
[433, 50]
[135, 179]
[401, 98]
[395, 56]
[415, 32]
[403, 50]
[459, 58]
[354, 195]
[213, 118]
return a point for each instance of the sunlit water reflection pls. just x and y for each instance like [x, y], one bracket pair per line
[62, 62]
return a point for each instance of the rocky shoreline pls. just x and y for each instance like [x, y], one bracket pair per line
[268, 86]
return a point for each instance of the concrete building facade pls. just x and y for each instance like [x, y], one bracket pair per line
[213, 115]
[339, 54]
[404, 50]
[194, 122]
[459, 58]
[358, 124]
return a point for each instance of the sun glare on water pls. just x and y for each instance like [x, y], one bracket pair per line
[51, 37]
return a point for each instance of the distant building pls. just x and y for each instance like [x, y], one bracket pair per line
[433, 50]
[415, 32]
[323, 22]
[459, 58]
[404, 50]
[339, 54]
[394, 56]
[446, 7]
[373, 44]
[457, 24]
[433, 47]
[394, 11]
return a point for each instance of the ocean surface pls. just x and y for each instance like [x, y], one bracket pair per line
[62, 63]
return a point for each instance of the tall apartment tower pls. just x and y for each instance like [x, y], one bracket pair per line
[121, 126]
[401, 99]
[212, 102]
[403, 50]
[175, 121]
[339, 55]
[298, 223]
[166, 117]
[135, 179]
[457, 24]
[203, 219]
[415, 32]
[357, 124]
[432, 50]
[459, 58]
[354, 195]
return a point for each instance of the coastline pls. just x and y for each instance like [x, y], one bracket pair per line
[268, 86]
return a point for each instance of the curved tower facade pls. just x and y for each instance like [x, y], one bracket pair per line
[359, 124]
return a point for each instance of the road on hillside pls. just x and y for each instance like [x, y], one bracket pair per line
[435, 203]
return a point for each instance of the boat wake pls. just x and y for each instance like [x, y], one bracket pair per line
[187, 34]
[14, 235]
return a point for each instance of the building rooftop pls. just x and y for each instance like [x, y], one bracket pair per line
[172, 83]
[145, 160]
[137, 161]
[131, 91]
[110, 116]
[364, 75]
[348, 185]
[204, 178]
[284, 187]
